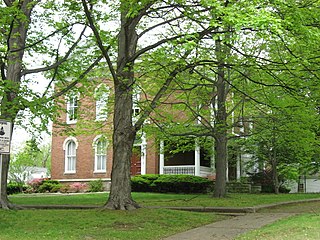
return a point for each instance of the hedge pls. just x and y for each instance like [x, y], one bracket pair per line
[170, 183]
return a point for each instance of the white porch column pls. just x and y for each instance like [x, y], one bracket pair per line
[238, 167]
[161, 160]
[197, 159]
[143, 154]
[227, 170]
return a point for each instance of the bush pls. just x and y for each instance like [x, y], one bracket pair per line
[170, 183]
[264, 178]
[49, 186]
[15, 187]
[35, 184]
[96, 186]
[78, 187]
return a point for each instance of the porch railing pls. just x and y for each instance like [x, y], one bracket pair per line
[187, 169]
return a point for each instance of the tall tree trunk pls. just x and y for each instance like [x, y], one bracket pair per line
[275, 175]
[9, 106]
[221, 126]
[4, 201]
[123, 133]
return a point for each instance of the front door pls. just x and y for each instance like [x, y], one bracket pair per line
[136, 161]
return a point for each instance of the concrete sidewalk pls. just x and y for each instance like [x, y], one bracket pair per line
[230, 228]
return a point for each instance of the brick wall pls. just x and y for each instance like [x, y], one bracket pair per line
[85, 131]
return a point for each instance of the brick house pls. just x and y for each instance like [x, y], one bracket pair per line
[81, 143]
[82, 146]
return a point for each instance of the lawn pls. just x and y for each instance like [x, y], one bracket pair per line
[304, 226]
[156, 199]
[138, 224]
[97, 224]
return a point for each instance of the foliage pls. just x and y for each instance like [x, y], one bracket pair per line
[96, 186]
[170, 183]
[78, 187]
[35, 184]
[44, 185]
[51, 186]
[31, 155]
[264, 178]
[15, 187]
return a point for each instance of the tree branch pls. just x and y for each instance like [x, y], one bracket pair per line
[74, 83]
[59, 62]
[99, 40]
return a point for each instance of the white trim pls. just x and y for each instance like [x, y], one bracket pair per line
[77, 96]
[82, 180]
[94, 144]
[143, 154]
[70, 138]
[66, 142]
[161, 160]
[101, 112]
[197, 158]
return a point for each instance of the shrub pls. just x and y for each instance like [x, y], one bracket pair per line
[170, 183]
[264, 178]
[78, 187]
[35, 184]
[64, 188]
[49, 186]
[96, 186]
[15, 187]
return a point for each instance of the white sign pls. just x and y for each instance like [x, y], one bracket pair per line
[5, 136]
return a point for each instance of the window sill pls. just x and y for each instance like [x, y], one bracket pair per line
[68, 173]
[103, 171]
[100, 119]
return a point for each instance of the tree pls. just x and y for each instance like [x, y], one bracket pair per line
[135, 22]
[28, 48]
[29, 156]
[246, 32]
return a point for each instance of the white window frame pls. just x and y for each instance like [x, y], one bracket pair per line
[135, 107]
[67, 157]
[98, 155]
[101, 102]
[72, 108]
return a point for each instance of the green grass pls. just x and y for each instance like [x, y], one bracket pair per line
[144, 223]
[96, 224]
[156, 199]
[304, 226]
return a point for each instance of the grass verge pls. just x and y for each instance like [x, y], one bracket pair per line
[304, 226]
[156, 199]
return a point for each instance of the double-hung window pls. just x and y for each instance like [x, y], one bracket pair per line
[101, 95]
[135, 106]
[72, 109]
[70, 157]
[100, 155]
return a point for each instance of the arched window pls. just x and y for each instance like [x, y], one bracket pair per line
[100, 156]
[70, 146]
[101, 96]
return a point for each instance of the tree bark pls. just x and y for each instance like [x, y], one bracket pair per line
[9, 106]
[123, 133]
[220, 126]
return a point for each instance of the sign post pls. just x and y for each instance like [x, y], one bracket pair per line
[5, 139]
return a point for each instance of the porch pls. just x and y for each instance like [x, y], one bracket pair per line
[196, 161]
[188, 170]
